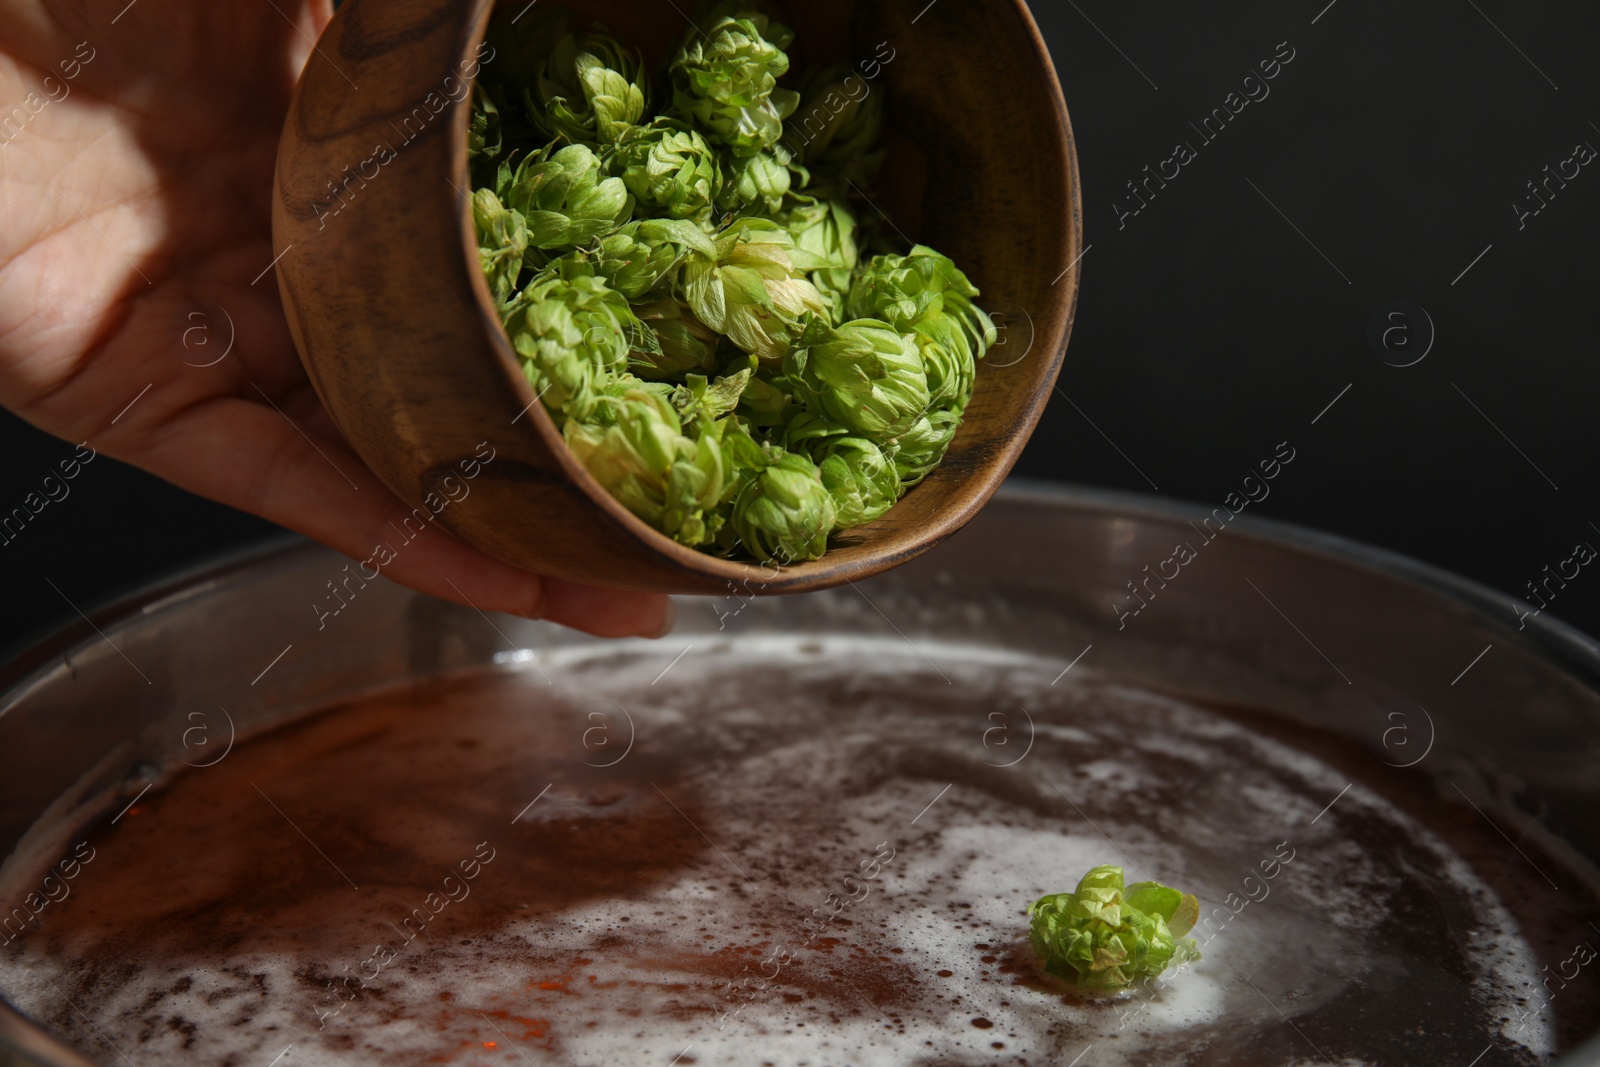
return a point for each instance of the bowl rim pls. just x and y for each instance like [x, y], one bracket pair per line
[823, 571]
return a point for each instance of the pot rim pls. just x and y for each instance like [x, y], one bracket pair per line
[1570, 648]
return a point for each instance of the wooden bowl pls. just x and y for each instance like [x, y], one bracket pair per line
[398, 334]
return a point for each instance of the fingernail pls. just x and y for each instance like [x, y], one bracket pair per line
[668, 620]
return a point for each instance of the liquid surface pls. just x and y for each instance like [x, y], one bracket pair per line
[786, 852]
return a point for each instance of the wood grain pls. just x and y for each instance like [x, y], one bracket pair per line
[396, 328]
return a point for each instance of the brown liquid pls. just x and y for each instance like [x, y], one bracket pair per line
[677, 902]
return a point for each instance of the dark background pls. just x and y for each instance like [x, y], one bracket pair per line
[1209, 329]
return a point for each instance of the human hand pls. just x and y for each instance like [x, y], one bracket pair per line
[135, 180]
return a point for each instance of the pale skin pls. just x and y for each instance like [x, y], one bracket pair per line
[134, 188]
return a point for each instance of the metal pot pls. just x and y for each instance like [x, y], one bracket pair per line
[93, 716]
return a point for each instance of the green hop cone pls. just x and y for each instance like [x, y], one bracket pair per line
[1103, 937]
[765, 403]
[484, 131]
[636, 258]
[502, 243]
[632, 264]
[514, 51]
[926, 294]
[619, 386]
[861, 481]
[756, 185]
[563, 197]
[755, 290]
[572, 333]
[725, 81]
[920, 450]
[634, 445]
[669, 168]
[783, 513]
[519, 44]
[677, 342]
[860, 478]
[837, 125]
[864, 374]
[951, 371]
[826, 230]
[589, 90]
[701, 400]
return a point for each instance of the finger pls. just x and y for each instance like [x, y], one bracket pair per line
[608, 612]
[593, 609]
[320, 12]
[314, 18]
[256, 457]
